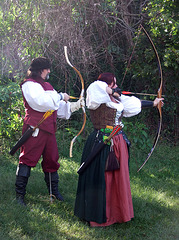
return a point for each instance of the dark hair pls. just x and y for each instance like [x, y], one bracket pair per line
[39, 63]
[35, 74]
[37, 66]
[107, 77]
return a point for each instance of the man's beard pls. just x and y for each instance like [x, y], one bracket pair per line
[47, 76]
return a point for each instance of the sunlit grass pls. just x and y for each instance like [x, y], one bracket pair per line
[155, 199]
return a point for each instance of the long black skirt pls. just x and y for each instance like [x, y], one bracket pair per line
[90, 204]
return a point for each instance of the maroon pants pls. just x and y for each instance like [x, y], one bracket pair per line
[44, 145]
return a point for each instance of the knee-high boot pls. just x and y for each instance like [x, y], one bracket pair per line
[52, 180]
[22, 175]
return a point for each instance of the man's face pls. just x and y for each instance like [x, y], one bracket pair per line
[45, 74]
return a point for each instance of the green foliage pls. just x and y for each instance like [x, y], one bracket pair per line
[164, 25]
[99, 37]
[11, 107]
[143, 75]
[138, 134]
[68, 129]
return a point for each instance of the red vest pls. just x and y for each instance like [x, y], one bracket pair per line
[32, 117]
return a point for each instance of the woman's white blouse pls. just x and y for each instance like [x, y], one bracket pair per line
[96, 95]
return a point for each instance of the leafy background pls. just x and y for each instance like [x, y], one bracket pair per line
[100, 36]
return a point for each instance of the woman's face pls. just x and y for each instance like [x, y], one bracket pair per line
[113, 84]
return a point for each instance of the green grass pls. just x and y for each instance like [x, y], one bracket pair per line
[154, 191]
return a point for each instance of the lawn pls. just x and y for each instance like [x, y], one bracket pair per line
[155, 199]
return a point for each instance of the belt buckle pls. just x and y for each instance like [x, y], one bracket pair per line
[109, 127]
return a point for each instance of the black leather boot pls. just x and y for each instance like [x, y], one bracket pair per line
[52, 180]
[22, 175]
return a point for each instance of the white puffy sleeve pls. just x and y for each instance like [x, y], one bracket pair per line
[132, 105]
[42, 101]
[39, 99]
[96, 95]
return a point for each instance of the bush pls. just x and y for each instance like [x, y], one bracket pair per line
[12, 111]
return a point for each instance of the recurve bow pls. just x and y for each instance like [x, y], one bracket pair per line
[81, 95]
[159, 95]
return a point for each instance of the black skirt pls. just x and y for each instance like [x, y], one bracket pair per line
[90, 204]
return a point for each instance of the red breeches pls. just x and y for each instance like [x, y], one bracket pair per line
[44, 145]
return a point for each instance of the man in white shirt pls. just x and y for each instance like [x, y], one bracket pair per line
[39, 96]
